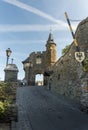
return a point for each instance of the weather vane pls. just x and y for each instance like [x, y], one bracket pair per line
[50, 29]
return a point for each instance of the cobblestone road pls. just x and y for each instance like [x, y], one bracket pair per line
[40, 109]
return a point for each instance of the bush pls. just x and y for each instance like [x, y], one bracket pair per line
[7, 95]
[2, 108]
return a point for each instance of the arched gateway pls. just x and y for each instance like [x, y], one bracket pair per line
[40, 62]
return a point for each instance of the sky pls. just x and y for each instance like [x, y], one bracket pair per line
[25, 26]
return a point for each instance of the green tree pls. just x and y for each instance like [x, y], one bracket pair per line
[65, 50]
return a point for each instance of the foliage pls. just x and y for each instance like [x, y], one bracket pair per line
[3, 108]
[6, 91]
[85, 64]
[7, 94]
[65, 50]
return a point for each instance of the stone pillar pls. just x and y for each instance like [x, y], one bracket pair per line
[11, 72]
[31, 77]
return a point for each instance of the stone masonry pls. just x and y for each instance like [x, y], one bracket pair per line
[11, 73]
[70, 78]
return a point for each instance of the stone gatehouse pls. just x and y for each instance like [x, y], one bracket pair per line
[40, 62]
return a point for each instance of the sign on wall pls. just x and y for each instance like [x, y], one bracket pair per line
[79, 56]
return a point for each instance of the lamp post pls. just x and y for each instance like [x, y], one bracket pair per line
[8, 53]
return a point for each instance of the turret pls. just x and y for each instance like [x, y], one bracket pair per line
[50, 51]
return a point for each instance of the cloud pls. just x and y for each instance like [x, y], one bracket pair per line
[33, 10]
[22, 42]
[35, 27]
[59, 24]
[31, 42]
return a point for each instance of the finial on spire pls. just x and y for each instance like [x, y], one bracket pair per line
[50, 29]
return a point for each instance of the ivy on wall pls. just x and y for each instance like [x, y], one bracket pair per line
[85, 64]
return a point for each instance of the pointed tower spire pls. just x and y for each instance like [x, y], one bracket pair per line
[50, 51]
[50, 38]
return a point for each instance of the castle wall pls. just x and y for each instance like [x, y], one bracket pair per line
[66, 76]
[69, 77]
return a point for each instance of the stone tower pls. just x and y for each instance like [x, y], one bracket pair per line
[50, 52]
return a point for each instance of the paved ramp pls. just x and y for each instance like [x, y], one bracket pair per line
[40, 109]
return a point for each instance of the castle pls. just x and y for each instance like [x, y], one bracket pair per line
[69, 77]
[40, 62]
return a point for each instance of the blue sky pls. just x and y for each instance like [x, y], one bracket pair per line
[25, 27]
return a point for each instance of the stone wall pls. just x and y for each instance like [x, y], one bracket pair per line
[11, 76]
[4, 126]
[69, 77]
[66, 76]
